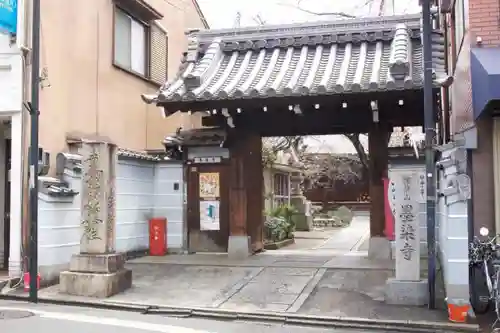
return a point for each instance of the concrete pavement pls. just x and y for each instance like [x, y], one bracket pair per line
[330, 278]
[50, 319]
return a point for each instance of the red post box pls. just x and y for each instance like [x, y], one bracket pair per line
[158, 236]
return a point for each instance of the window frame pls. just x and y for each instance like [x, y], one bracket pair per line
[116, 10]
[281, 194]
[147, 49]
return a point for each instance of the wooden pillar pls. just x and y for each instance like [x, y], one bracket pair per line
[378, 156]
[255, 199]
[237, 192]
[245, 192]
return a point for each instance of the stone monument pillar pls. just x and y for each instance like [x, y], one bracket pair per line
[98, 271]
[407, 287]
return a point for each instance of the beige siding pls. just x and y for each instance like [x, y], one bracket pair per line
[87, 94]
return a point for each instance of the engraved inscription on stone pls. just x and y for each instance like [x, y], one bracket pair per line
[91, 205]
[407, 227]
[98, 198]
[422, 186]
[407, 218]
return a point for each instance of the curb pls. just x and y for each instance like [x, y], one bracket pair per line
[406, 326]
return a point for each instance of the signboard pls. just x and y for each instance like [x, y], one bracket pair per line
[209, 183]
[8, 16]
[209, 215]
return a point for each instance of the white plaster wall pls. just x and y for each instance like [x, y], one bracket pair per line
[134, 204]
[453, 240]
[58, 231]
[143, 189]
[169, 198]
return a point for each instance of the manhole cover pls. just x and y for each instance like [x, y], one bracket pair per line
[15, 314]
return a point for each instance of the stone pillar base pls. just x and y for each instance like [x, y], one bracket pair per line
[400, 292]
[96, 275]
[379, 248]
[239, 247]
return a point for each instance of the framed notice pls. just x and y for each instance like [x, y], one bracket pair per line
[209, 185]
[209, 215]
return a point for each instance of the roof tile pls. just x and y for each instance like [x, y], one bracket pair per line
[321, 58]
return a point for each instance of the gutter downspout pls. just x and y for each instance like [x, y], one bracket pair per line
[26, 55]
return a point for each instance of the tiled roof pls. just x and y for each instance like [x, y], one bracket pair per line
[196, 137]
[127, 153]
[360, 55]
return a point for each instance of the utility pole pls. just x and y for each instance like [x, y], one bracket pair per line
[429, 126]
[33, 170]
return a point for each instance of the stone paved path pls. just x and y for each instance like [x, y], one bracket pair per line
[325, 275]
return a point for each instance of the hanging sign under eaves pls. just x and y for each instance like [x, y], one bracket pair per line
[8, 16]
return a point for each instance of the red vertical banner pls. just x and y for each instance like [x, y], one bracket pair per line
[389, 218]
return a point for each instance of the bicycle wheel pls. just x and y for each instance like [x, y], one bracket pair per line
[497, 293]
[479, 293]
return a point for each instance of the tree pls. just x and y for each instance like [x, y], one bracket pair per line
[273, 145]
[332, 167]
[335, 164]
[323, 170]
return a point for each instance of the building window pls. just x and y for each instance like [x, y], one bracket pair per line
[130, 43]
[281, 189]
[140, 48]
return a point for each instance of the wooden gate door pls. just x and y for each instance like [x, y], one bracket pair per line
[208, 208]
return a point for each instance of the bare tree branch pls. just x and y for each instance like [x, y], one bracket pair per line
[340, 14]
[272, 146]
[360, 150]
[259, 20]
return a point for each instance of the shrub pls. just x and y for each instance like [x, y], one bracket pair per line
[279, 223]
[276, 228]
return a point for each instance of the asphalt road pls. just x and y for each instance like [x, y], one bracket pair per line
[54, 318]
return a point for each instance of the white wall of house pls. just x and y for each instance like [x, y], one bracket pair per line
[453, 237]
[11, 101]
[144, 189]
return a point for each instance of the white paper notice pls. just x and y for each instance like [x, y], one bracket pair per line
[209, 215]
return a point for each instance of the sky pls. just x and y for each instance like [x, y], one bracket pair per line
[225, 13]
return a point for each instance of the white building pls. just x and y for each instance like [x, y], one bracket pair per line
[14, 88]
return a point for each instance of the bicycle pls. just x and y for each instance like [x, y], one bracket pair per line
[484, 268]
